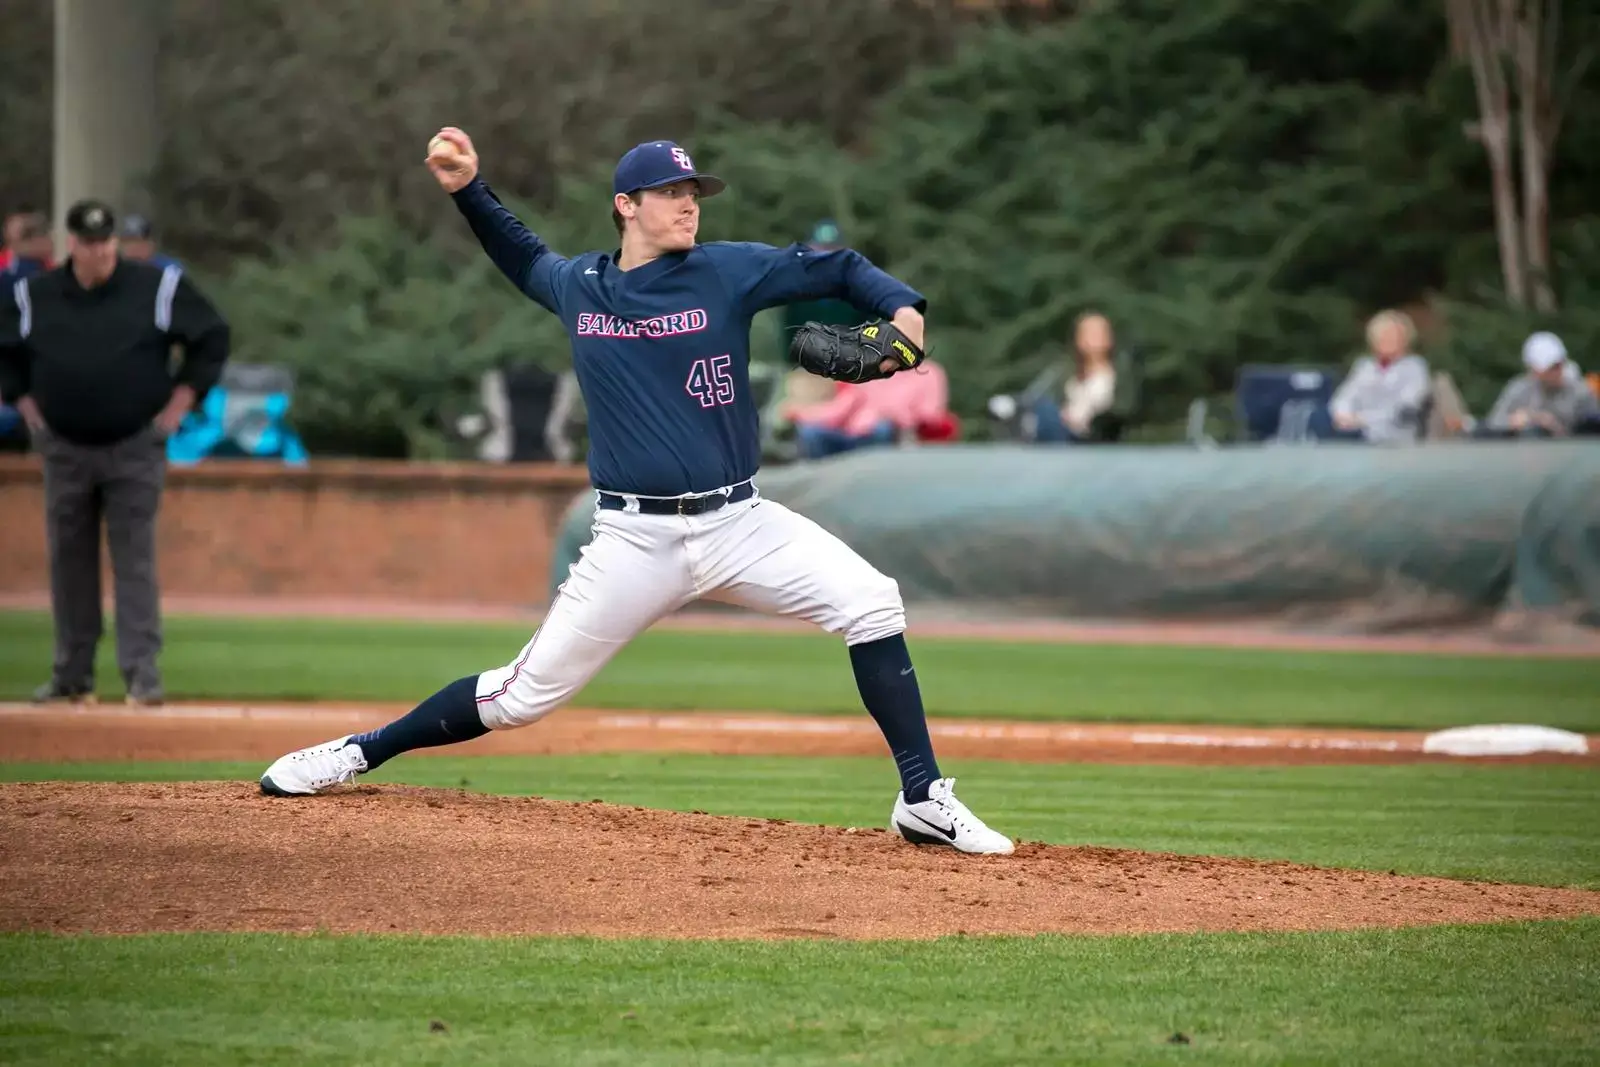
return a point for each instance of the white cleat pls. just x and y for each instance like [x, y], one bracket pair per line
[315, 769]
[943, 820]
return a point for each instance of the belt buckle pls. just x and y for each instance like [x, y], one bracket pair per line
[701, 503]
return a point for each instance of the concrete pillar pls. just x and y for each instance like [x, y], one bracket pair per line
[105, 102]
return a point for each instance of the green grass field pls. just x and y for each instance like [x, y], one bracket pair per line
[282, 659]
[1525, 993]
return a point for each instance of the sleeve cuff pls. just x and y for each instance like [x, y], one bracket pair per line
[477, 190]
[908, 299]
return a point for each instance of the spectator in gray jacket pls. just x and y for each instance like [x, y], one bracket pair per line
[1548, 399]
[1382, 396]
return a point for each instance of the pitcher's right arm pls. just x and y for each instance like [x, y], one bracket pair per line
[516, 250]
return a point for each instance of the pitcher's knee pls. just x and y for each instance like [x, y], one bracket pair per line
[882, 613]
[508, 712]
[520, 700]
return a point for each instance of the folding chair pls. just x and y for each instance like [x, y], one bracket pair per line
[1280, 404]
[1011, 417]
[244, 415]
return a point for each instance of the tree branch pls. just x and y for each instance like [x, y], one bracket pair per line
[1486, 52]
[1533, 86]
[1487, 79]
[1561, 94]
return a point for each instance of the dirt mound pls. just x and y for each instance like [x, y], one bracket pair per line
[112, 858]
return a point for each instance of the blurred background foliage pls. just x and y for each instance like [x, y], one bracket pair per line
[1235, 181]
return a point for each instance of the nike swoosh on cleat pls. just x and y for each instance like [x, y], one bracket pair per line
[950, 834]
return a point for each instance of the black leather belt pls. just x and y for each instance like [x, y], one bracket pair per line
[678, 505]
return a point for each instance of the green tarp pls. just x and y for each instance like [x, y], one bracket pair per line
[1372, 536]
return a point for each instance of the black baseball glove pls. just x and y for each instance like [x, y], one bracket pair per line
[853, 353]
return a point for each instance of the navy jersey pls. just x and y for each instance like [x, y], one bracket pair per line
[661, 351]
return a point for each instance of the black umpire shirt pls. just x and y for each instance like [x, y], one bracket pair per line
[97, 361]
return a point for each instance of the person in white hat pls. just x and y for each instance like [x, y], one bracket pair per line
[1547, 399]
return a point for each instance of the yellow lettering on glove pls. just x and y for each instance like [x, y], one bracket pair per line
[908, 357]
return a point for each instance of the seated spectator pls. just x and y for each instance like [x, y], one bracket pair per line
[1547, 400]
[1090, 388]
[846, 422]
[28, 241]
[137, 241]
[910, 404]
[1382, 397]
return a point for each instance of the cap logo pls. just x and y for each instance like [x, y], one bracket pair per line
[681, 158]
[94, 217]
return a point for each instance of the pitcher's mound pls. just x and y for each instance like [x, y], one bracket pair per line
[217, 856]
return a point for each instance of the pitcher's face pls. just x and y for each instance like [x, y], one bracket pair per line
[668, 217]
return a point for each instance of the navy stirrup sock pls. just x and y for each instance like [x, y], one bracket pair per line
[450, 715]
[888, 686]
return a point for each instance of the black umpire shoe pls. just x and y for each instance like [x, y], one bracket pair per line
[55, 692]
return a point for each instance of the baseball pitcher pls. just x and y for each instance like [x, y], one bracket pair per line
[660, 331]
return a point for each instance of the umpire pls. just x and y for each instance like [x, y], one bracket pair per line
[86, 356]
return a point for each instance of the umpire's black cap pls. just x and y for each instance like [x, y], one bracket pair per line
[91, 220]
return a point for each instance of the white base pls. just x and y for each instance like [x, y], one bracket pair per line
[1505, 739]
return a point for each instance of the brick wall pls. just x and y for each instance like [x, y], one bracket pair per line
[336, 529]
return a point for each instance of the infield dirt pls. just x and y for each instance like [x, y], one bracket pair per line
[120, 858]
[191, 732]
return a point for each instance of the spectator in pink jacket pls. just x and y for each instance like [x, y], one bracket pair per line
[874, 413]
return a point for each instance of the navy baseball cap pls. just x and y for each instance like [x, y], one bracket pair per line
[135, 226]
[657, 163]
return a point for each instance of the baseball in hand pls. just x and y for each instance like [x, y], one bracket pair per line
[451, 158]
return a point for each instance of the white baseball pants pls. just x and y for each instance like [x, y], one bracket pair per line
[756, 553]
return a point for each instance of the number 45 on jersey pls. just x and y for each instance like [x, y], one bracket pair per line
[710, 382]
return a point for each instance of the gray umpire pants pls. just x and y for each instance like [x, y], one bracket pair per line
[119, 484]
